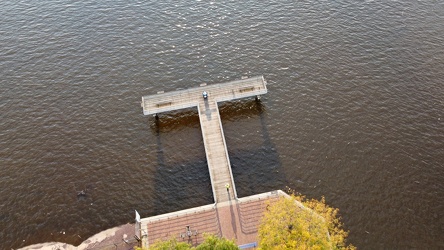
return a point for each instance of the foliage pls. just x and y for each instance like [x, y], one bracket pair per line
[213, 242]
[210, 242]
[171, 244]
[298, 223]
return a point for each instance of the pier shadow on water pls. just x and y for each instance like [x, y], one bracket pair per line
[182, 179]
[255, 164]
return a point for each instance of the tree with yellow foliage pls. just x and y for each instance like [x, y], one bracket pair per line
[295, 222]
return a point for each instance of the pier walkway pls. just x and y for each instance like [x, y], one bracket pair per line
[211, 126]
[216, 151]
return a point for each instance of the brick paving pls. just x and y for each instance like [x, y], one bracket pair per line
[175, 227]
[236, 220]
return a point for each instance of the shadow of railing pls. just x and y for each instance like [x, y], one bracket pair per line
[189, 117]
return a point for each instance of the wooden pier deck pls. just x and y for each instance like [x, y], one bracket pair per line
[216, 151]
[212, 132]
[189, 98]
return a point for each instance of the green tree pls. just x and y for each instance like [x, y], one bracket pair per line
[213, 242]
[171, 244]
[210, 242]
[295, 222]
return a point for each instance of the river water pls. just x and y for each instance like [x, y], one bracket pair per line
[354, 112]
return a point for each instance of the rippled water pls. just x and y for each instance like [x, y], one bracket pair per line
[354, 112]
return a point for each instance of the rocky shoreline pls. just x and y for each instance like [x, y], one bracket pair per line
[121, 237]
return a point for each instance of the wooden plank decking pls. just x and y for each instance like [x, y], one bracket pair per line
[188, 98]
[216, 151]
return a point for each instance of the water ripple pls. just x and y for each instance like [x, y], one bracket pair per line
[354, 112]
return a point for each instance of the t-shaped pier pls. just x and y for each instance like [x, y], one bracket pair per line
[219, 166]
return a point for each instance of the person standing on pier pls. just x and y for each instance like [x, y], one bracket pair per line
[227, 186]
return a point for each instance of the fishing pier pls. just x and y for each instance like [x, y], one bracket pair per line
[229, 216]
[210, 123]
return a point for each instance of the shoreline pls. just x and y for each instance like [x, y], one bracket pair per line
[120, 237]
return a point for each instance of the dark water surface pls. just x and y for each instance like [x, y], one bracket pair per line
[354, 112]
